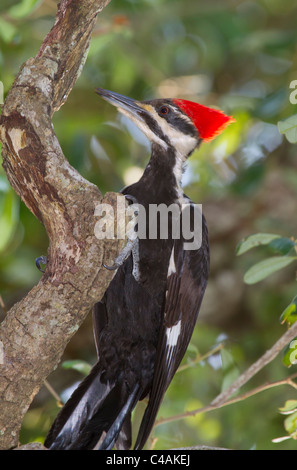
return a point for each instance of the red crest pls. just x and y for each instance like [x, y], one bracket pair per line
[209, 122]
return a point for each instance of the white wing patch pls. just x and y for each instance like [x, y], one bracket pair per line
[171, 267]
[172, 334]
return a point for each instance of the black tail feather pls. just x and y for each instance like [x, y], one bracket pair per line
[96, 407]
[66, 419]
[114, 430]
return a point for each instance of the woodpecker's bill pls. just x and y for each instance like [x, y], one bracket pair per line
[145, 320]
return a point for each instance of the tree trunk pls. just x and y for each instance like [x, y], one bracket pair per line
[35, 331]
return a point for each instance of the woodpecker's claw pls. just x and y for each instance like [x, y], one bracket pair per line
[41, 260]
[111, 268]
[131, 199]
[122, 256]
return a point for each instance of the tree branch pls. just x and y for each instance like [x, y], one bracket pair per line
[271, 354]
[35, 331]
[224, 398]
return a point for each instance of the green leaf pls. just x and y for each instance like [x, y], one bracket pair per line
[290, 423]
[261, 270]
[289, 128]
[77, 364]
[255, 240]
[290, 354]
[229, 368]
[289, 315]
[282, 245]
[289, 407]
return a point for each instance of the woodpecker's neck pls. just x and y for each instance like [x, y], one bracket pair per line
[162, 176]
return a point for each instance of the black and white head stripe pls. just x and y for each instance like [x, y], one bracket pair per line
[173, 115]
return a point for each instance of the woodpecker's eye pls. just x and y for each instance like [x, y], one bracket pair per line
[164, 110]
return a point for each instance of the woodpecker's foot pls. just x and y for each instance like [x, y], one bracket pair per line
[132, 239]
[122, 256]
[39, 261]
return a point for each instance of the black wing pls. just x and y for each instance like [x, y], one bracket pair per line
[186, 283]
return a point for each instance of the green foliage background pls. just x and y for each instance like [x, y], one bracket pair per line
[236, 55]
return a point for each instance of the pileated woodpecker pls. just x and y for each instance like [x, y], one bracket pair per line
[145, 320]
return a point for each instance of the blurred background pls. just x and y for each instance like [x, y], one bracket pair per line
[239, 56]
